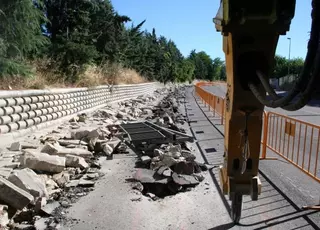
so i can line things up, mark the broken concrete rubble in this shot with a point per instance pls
(42, 162)
(29, 181)
(61, 178)
(13, 195)
(76, 161)
(61, 151)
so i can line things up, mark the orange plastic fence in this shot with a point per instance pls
(217, 104)
(294, 140)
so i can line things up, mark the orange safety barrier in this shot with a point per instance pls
(294, 140)
(217, 104)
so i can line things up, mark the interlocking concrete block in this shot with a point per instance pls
(8, 110)
(34, 99)
(23, 116)
(15, 117)
(27, 100)
(22, 125)
(17, 109)
(5, 120)
(4, 129)
(3, 103)
(13, 127)
(30, 122)
(10, 101)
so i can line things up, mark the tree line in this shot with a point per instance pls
(75, 34)
(78, 33)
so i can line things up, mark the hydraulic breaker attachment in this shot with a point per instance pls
(250, 32)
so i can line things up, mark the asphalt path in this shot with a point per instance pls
(114, 205)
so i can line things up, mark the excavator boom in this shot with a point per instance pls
(250, 31)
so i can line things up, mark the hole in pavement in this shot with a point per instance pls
(210, 150)
(193, 121)
(198, 132)
(189, 109)
(191, 114)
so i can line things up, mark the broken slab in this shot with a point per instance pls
(107, 149)
(4, 217)
(29, 181)
(86, 183)
(186, 168)
(145, 159)
(71, 142)
(61, 151)
(42, 162)
(72, 183)
(13, 195)
(149, 176)
(76, 162)
(18, 146)
(61, 178)
(5, 172)
(184, 179)
(50, 207)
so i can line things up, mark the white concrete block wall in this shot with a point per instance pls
(26, 108)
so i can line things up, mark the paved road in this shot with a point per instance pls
(285, 188)
(111, 205)
(292, 181)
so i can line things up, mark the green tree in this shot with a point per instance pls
(20, 34)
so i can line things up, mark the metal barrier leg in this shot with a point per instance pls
(317, 207)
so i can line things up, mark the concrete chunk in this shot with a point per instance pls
(71, 142)
(149, 176)
(17, 146)
(61, 178)
(13, 195)
(145, 159)
(76, 162)
(4, 218)
(29, 181)
(50, 207)
(42, 162)
(184, 179)
(61, 151)
(5, 172)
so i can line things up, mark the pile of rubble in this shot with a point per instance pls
(42, 176)
(172, 167)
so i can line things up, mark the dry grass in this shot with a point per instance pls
(47, 76)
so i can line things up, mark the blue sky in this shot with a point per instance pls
(189, 24)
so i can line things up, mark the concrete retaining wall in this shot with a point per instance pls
(21, 110)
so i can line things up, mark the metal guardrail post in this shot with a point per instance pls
(265, 135)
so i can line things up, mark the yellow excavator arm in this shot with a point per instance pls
(250, 31)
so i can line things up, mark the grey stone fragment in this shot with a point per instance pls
(5, 172)
(50, 207)
(145, 159)
(24, 227)
(61, 178)
(61, 151)
(184, 179)
(149, 176)
(4, 217)
(13, 195)
(42, 162)
(76, 162)
(71, 142)
(86, 183)
(29, 181)
(72, 183)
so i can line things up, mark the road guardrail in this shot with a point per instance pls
(297, 141)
